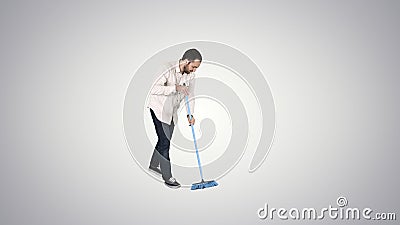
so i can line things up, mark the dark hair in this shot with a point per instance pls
(191, 55)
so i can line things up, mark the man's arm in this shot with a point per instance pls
(160, 87)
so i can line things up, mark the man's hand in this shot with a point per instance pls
(191, 121)
(182, 89)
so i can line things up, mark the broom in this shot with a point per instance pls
(203, 184)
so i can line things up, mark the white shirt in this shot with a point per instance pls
(164, 100)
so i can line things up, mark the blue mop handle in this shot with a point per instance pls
(194, 138)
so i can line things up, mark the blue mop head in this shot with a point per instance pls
(204, 184)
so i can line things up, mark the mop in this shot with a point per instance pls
(203, 184)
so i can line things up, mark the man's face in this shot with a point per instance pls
(192, 66)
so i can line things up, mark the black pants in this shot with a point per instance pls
(161, 152)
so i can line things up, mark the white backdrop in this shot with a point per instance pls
(65, 67)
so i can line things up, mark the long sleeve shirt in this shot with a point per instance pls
(164, 100)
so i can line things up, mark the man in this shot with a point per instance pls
(176, 82)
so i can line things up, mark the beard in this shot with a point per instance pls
(186, 70)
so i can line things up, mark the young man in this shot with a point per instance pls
(176, 82)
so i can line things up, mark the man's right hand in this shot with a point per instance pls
(182, 89)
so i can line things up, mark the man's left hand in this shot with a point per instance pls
(191, 121)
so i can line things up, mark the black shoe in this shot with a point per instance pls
(172, 183)
(155, 170)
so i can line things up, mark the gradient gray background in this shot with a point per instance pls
(333, 68)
